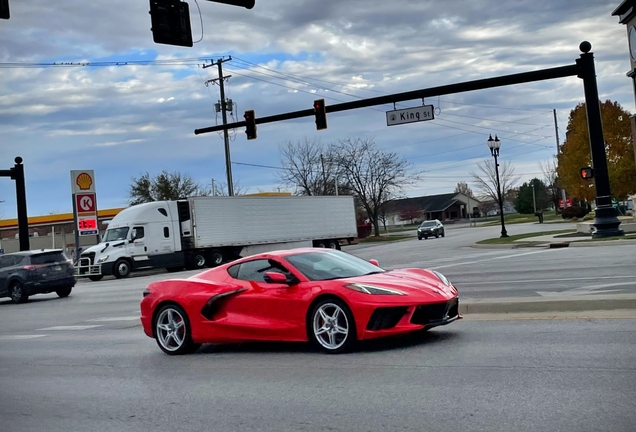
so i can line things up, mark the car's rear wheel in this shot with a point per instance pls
(64, 292)
(173, 332)
(17, 293)
(331, 326)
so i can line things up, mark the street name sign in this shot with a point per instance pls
(410, 115)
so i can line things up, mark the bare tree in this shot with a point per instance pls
(462, 187)
(220, 189)
(551, 180)
(486, 179)
(372, 174)
(308, 167)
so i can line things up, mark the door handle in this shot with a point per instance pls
(145, 249)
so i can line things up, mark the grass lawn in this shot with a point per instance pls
(513, 238)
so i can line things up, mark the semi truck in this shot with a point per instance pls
(200, 232)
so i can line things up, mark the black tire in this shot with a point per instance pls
(320, 244)
(425, 237)
(443, 233)
(96, 278)
(17, 293)
(334, 244)
(198, 260)
(343, 321)
(419, 238)
(64, 292)
(215, 258)
(121, 269)
(436, 235)
(168, 334)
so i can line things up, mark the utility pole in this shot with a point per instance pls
(228, 161)
(556, 134)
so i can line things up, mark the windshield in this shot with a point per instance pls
(115, 234)
(331, 265)
(427, 224)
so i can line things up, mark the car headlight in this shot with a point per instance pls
(372, 289)
(443, 278)
(102, 259)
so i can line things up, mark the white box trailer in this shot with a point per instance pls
(199, 232)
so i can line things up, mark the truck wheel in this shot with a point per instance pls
(215, 258)
(334, 244)
(320, 244)
(96, 278)
(198, 260)
(121, 269)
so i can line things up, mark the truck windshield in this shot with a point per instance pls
(115, 234)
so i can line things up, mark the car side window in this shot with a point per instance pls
(4, 261)
(255, 270)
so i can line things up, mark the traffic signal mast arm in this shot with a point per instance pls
(524, 77)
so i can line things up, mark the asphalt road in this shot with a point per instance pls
(527, 272)
(555, 375)
(83, 363)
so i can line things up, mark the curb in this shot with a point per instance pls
(556, 244)
(547, 304)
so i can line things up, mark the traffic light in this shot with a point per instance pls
(247, 4)
(320, 113)
(250, 124)
(170, 20)
(4, 9)
(587, 173)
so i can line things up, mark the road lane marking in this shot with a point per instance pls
(534, 281)
(590, 289)
(109, 319)
(20, 337)
(491, 259)
(70, 327)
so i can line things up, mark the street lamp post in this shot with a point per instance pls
(494, 145)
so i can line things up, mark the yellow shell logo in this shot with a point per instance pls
(84, 181)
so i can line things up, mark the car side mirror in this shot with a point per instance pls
(275, 278)
(374, 262)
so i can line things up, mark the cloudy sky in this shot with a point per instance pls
(83, 86)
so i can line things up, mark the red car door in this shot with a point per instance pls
(267, 311)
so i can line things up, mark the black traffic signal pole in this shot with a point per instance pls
(606, 221)
(17, 173)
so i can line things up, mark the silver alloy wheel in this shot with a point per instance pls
(16, 293)
(171, 329)
(331, 326)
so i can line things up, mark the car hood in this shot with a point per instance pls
(410, 281)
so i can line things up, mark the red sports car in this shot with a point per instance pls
(325, 296)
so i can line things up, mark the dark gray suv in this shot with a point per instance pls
(23, 274)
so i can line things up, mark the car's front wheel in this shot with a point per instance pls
(17, 293)
(331, 326)
(64, 292)
(173, 332)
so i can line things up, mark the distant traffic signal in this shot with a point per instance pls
(587, 173)
(247, 4)
(250, 124)
(4, 9)
(321, 114)
(170, 20)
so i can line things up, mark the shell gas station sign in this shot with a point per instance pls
(84, 202)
